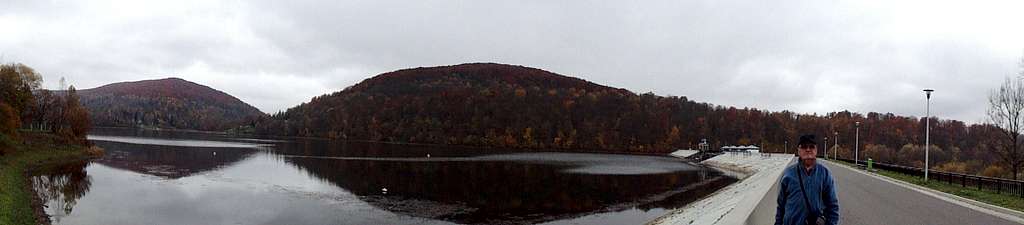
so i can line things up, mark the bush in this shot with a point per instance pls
(95, 151)
(994, 171)
(880, 153)
(6, 144)
(8, 128)
(953, 167)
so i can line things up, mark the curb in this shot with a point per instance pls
(994, 210)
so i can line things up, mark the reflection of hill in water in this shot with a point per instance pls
(492, 191)
(168, 161)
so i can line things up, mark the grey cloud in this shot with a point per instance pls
(804, 56)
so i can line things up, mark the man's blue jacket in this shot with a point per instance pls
(821, 193)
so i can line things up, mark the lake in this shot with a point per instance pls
(167, 177)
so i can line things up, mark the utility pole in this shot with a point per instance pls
(835, 146)
(927, 128)
(826, 147)
(856, 146)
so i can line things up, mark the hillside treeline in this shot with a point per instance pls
(23, 105)
(503, 106)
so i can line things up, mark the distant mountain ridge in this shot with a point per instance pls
(502, 106)
(483, 104)
(165, 103)
(476, 73)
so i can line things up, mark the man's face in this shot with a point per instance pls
(807, 151)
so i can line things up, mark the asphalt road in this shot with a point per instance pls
(868, 200)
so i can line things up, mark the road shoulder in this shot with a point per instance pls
(994, 210)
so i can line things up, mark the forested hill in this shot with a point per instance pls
(505, 106)
(486, 104)
(165, 103)
(482, 104)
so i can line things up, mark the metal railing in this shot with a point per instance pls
(999, 185)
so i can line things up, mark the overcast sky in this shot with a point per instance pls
(804, 56)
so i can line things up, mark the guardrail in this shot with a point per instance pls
(1000, 185)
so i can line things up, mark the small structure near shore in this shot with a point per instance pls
(742, 148)
(684, 153)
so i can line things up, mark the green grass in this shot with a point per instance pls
(985, 195)
(40, 150)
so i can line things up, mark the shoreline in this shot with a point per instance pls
(35, 153)
(33, 169)
(488, 148)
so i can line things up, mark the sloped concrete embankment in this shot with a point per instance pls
(736, 203)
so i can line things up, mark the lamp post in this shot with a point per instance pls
(856, 145)
(785, 148)
(826, 147)
(927, 128)
(835, 146)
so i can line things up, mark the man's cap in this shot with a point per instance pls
(808, 139)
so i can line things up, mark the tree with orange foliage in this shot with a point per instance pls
(8, 127)
(8, 120)
(17, 81)
(77, 118)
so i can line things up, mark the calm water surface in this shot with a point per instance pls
(160, 177)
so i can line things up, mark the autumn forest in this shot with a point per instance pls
(504, 106)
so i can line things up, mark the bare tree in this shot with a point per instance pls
(1006, 111)
(1020, 74)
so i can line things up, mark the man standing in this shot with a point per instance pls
(807, 194)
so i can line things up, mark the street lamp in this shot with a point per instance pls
(927, 128)
(856, 146)
(835, 146)
(826, 147)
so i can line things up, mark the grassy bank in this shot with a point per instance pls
(34, 151)
(985, 195)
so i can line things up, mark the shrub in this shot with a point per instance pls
(6, 144)
(953, 167)
(95, 150)
(994, 171)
